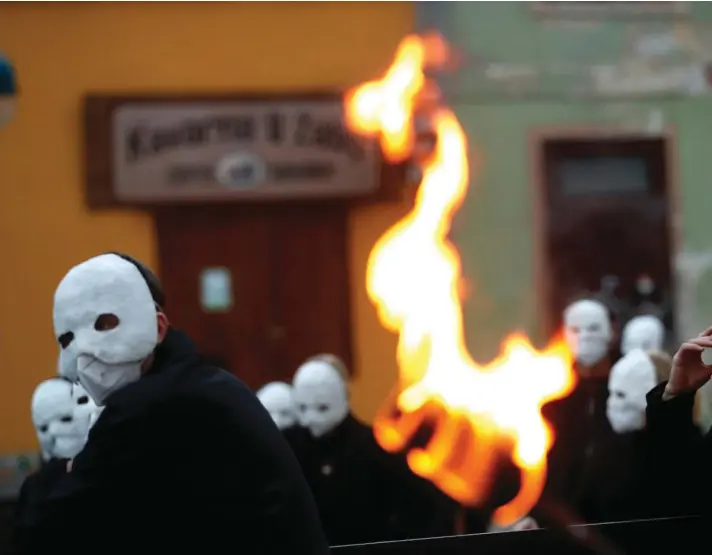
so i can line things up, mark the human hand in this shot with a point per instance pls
(688, 372)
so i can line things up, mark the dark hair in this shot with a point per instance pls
(154, 285)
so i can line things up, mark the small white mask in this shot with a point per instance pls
(643, 332)
(631, 378)
(588, 332)
(321, 396)
(61, 418)
(106, 323)
(276, 397)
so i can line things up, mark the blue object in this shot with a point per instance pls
(8, 84)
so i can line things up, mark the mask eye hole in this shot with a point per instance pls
(323, 408)
(44, 429)
(66, 419)
(83, 400)
(619, 395)
(106, 322)
(65, 339)
(594, 327)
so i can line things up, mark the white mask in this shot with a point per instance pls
(588, 332)
(321, 396)
(632, 377)
(276, 397)
(643, 332)
(104, 358)
(61, 418)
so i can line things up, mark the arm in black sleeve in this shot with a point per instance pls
(102, 478)
(680, 455)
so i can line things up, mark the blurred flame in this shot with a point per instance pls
(413, 278)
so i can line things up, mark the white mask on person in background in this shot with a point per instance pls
(106, 323)
(61, 421)
(631, 378)
(643, 332)
(277, 398)
(321, 396)
(588, 332)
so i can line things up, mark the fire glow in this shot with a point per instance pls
(413, 278)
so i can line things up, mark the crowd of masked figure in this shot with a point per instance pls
(602, 466)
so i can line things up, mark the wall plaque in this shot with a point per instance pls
(215, 151)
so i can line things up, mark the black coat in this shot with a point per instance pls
(680, 481)
(186, 457)
(584, 447)
(365, 494)
(34, 488)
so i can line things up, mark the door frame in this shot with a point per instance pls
(537, 136)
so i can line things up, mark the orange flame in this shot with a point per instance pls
(412, 277)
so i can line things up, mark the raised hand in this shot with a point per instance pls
(688, 372)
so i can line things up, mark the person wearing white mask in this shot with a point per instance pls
(277, 398)
(646, 332)
(363, 493)
(627, 486)
(588, 332)
(583, 433)
(61, 418)
(61, 414)
(183, 452)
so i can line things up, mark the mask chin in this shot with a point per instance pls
(625, 420)
(68, 447)
(590, 355)
(100, 379)
(320, 429)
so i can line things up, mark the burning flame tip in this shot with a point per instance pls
(414, 279)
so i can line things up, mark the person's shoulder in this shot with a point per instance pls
(207, 392)
(203, 383)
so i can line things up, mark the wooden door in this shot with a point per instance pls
(289, 281)
(607, 220)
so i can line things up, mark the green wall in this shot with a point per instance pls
(494, 229)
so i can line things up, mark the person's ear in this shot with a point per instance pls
(163, 325)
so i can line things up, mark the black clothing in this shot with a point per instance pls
(624, 481)
(583, 446)
(298, 439)
(684, 455)
(185, 457)
(35, 487)
(365, 494)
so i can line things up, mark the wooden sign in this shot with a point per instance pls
(169, 151)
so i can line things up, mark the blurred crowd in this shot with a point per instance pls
(602, 467)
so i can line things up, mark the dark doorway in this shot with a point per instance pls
(607, 224)
(289, 282)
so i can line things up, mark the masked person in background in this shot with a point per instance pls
(62, 415)
(183, 453)
(625, 487)
(276, 397)
(363, 493)
(645, 332)
(583, 433)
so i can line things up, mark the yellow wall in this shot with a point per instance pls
(62, 51)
